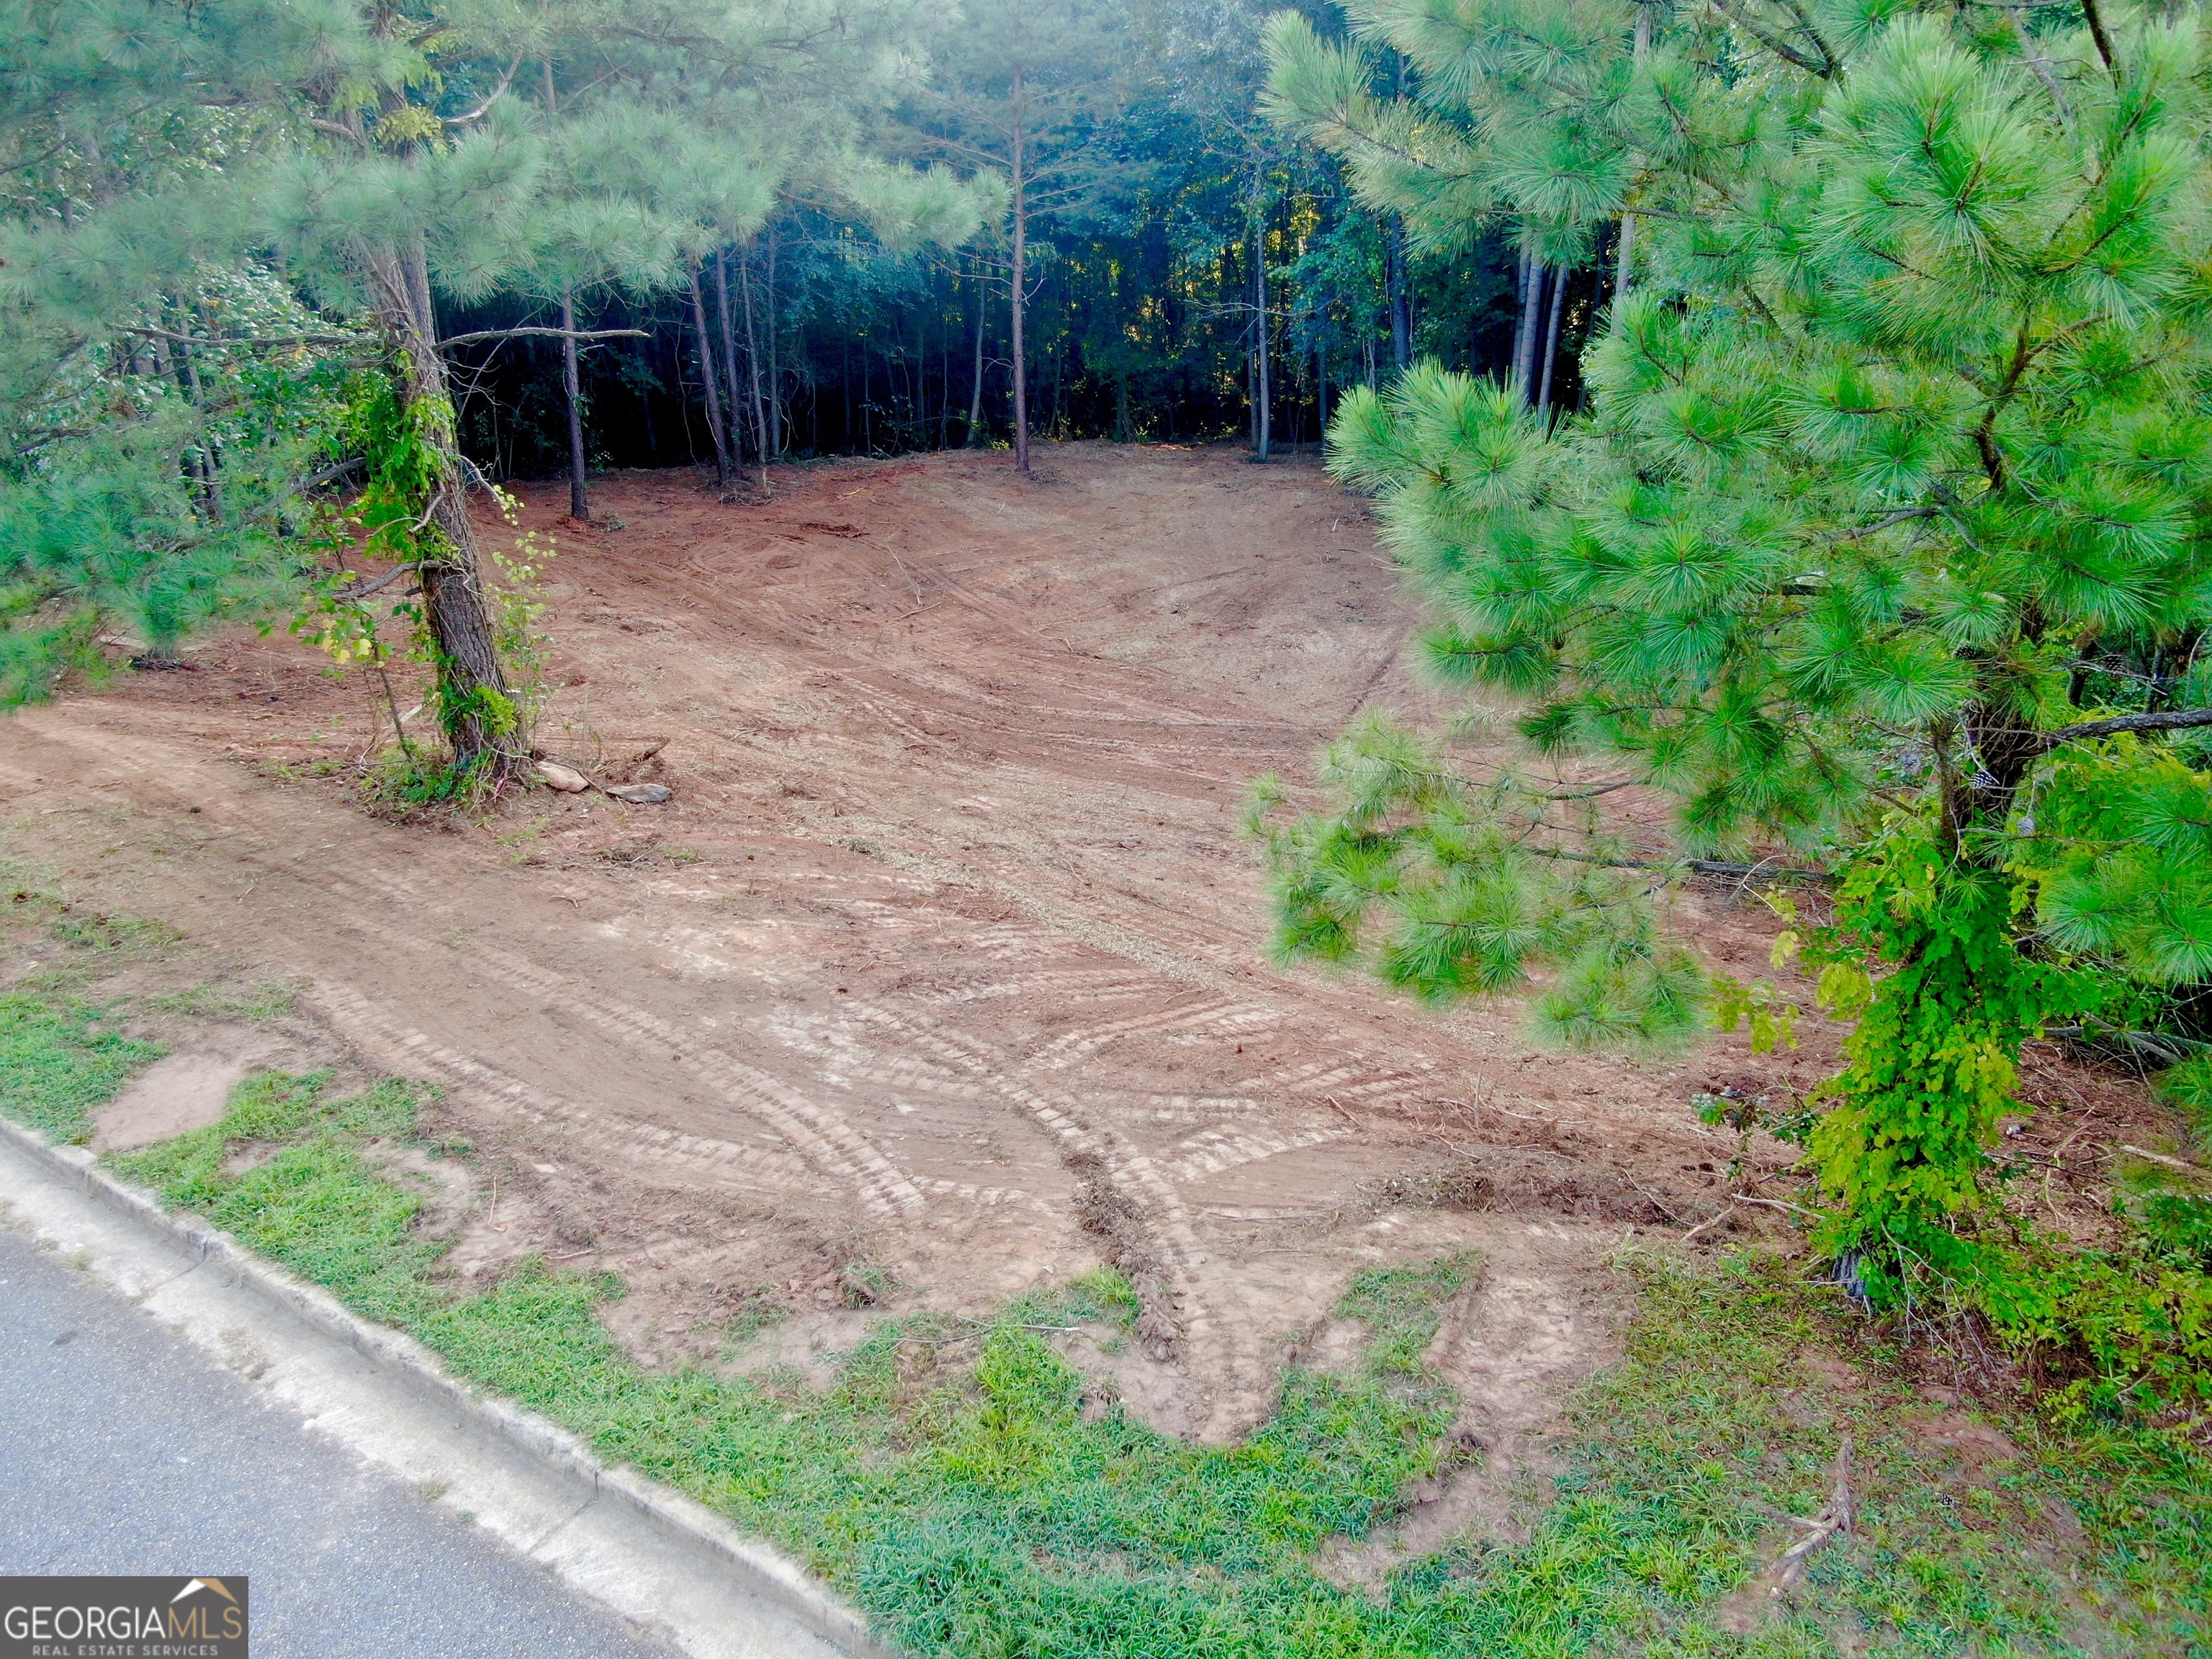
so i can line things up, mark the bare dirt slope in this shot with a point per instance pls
(945, 963)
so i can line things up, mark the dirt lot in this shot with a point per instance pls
(942, 974)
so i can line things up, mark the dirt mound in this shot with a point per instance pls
(943, 966)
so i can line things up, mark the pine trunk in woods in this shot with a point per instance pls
(760, 440)
(572, 384)
(714, 427)
(1401, 298)
(944, 380)
(1524, 332)
(975, 386)
(1624, 260)
(732, 401)
(571, 381)
(1552, 334)
(1020, 275)
(475, 706)
(1260, 400)
(775, 368)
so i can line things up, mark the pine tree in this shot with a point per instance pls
(1023, 92)
(377, 156)
(1883, 547)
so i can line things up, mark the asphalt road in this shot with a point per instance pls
(123, 1451)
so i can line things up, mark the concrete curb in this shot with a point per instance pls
(760, 1567)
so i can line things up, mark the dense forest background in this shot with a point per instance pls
(1182, 254)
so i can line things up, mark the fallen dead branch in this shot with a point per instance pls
(1709, 1222)
(1743, 1198)
(1835, 1518)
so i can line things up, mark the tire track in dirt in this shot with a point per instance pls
(1001, 923)
(403, 1049)
(1229, 1366)
(824, 1139)
(1217, 1152)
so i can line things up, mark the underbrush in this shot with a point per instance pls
(977, 1495)
(403, 781)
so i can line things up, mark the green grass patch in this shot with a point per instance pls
(55, 1068)
(270, 999)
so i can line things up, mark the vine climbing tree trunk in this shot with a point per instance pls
(475, 706)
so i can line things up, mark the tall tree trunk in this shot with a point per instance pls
(1320, 392)
(921, 373)
(975, 386)
(1262, 409)
(1525, 333)
(571, 382)
(945, 375)
(1552, 334)
(1021, 271)
(775, 365)
(1624, 262)
(706, 376)
(475, 706)
(1401, 298)
(733, 401)
(580, 507)
(752, 361)
(206, 465)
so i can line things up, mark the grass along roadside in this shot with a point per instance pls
(953, 1483)
(55, 1067)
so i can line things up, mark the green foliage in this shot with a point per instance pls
(1474, 902)
(182, 182)
(2132, 1327)
(1931, 1062)
(1892, 475)
(2117, 838)
(107, 530)
(55, 1068)
(2189, 1086)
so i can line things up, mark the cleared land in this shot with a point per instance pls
(941, 978)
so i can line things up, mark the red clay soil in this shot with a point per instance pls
(942, 976)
